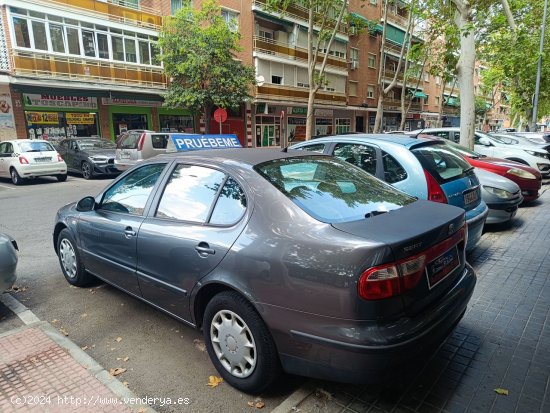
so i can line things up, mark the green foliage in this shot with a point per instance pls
(481, 106)
(198, 52)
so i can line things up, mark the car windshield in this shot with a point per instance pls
(85, 144)
(35, 147)
(442, 162)
(330, 190)
(492, 137)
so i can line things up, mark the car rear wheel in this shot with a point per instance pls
(87, 171)
(239, 343)
(69, 258)
(62, 178)
(15, 177)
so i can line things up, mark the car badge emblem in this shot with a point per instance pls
(451, 229)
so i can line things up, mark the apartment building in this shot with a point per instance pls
(88, 67)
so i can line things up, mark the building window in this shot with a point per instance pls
(437, 100)
(57, 36)
(372, 60)
(39, 34)
(426, 99)
(354, 56)
(175, 5)
(352, 88)
(437, 80)
(374, 2)
(276, 80)
(231, 19)
(370, 92)
(426, 77)
(343, 125)
(22, 38)
(130, 50)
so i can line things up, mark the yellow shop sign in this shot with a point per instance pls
(80, 118)
(43, 118)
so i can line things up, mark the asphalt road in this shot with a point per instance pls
(165, 357)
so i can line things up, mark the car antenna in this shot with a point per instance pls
(420, 133)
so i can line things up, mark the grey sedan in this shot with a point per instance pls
(501, 195)
(8, 262)
(292, 262)
(89, 156)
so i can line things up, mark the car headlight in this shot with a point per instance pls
(98, 159)
(537, 154)
(521, 173)
(501, 193)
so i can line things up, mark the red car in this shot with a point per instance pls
(528, 179)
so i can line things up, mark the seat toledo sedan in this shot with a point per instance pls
(287, 262)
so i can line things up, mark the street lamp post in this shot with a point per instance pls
(539, 67)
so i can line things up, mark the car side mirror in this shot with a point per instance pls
(485, 141)
(86, 204)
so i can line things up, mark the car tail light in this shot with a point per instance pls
(23, 160)
(435, 192)
(59, 158)
(390, 280)
(141, 141)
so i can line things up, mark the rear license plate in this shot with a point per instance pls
(45, 159)
(470, 197)
(125, 155)
(442, 266)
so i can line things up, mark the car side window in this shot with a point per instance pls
(442, 134)
(190, 193)
(130, 194)
(393, 171)
(363, 156)
(159, 141)
(456, 137)
(8, 148)
(230, 205)
(476, 139)
(3, 148)
(317, 147)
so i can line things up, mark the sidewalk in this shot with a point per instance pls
(502, 345)
(43, 371)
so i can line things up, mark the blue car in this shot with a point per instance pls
(423, 168)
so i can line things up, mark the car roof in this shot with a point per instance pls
(245, 156)
(396, 139)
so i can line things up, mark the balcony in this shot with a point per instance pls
(395, 104)
(294, 94)
(272, 47)
(389, 74)
(45, 66)
(295, 12)
(112, 10)
(397, 18)
(393, 48)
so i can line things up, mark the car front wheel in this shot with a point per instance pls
(86, 169)
(69, 258)
(239, 343)
(62, 178)
(15, 177)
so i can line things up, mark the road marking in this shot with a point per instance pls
(7, 187)
(26, 315)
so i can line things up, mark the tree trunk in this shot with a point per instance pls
(379, 113)
(465, 69)
(207, 113)
(310, 116)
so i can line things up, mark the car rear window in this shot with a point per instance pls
(35, 147)
(159, 141)
(130, 141)
(331, 191)
(441, 162)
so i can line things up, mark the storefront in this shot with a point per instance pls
(175, 120)
(128, 114)
(55, 117)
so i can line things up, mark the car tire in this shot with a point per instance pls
(246, 331)
(61, 178)
(69, 259)
(15, 177)
(87, 170)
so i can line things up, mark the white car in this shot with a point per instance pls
(496, 148)
(29, 158)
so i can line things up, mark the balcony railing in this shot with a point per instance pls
(272, 47)
(86, 70)
(396, 103)
(295, 94)
(112, 10)
(296, 12)
(389, 74)
(392, 47)
(397, 18)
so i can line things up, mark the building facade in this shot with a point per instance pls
(88, 68)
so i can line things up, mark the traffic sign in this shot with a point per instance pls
(220, 115)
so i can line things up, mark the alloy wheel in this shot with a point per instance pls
(68, 257)
(86, 170)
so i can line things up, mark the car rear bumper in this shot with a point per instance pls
(361, 351)
(475, 219)
(28, 171)
(124, 164)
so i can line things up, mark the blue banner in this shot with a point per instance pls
(186, 142)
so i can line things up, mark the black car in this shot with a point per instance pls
(89, 156)
(294, 261)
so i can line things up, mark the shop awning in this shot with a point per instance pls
(420, 94)
(452, 102)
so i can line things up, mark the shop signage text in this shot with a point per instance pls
(193, 142)
(59, 101)
(43, 118)
(80, 118)
(297, 111)
(131, 102)
(324, 112)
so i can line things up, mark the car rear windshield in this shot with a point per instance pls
(331, 190)
(130, 141)
(85, 144)
(35, 147)
(442, 162)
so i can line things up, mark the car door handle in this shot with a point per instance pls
(129, 232)
(204, 249)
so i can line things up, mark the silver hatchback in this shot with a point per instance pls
(137, 145)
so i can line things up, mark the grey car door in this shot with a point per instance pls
(198, 217)
(108, 234)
